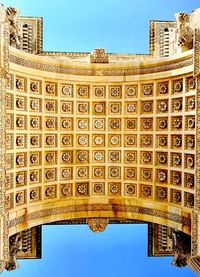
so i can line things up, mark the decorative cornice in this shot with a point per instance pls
(65, 54)
(101, 207)
(51, 68)
(166, 66)
(86, 54)
(150, 69)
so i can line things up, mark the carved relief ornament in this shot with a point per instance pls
(99, 55)
(97, 224)
(12, 15)
(185, 31)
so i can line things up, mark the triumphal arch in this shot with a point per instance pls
(97, 138)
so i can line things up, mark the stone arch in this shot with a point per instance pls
(118, 209)
(148, 181)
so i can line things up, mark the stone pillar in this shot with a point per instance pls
(4, 63)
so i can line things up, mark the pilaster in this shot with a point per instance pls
(4, 65)
(194, 262)
(196, 52)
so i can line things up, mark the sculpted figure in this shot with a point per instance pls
(12, 14)
(184, 30)
(181, 245)
(14, 249)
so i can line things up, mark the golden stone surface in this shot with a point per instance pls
(98, 136)
(94, 142)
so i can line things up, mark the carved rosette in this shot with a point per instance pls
(97, 224)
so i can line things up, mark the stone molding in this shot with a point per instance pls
(172, 65)
(197, 52)
(101, 207)
(197, 192)
(4, 67)
(195, 214)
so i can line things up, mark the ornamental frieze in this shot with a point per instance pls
(99, 207)
(90, 72)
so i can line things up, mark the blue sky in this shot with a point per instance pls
(74, 251)
(118, 26)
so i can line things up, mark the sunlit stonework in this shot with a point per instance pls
(98, 224)
(99, 55)
(114, 141)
